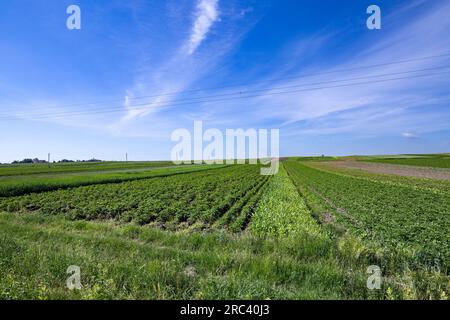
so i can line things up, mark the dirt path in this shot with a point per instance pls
(395, 169)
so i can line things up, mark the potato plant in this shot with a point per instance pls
(202, 196)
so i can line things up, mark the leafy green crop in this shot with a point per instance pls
(396, 216)
(27, 169)
(34, 183)
(202, 196)
(436, 162)
(282, 211)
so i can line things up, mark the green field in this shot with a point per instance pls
(28, 183)
(27, 169)
(386, 215)
(156, 231)
(431, 160)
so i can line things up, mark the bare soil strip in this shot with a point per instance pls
(395, 169)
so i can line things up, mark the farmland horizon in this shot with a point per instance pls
(99, 159)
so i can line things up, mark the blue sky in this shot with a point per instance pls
(153, 65)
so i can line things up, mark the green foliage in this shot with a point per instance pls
(318, 158)
(282, 212)
(393, 216)
(34, 183)
(305, 233)
(131, 262)
(200, 196)
(435, 161)
(29, 168)
(433, 185)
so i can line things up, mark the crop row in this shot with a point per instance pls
(434, 185)
(391, 215)
(282, 211)
(28, 169)
(202, 196)
(17, 186)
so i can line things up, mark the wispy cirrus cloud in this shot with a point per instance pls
(175, 73)
(167, 81)
(206, 15)
(372, 105)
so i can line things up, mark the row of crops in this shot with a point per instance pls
(434, 185)
(34, 183)
(61, 168)
(392, 216)
(224, 196)
(282, 212)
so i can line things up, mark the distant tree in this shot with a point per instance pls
(22, 161)
(65, 161)
(36, 160)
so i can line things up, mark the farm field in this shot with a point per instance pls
(389, 216)
(214, 196)
(28, 183)
(223, 232)
(435, 161)
(340, 167)
(395, 169)
(26, 169)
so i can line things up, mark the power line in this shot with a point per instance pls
(254, 82)
(52, 116)
(201, 99)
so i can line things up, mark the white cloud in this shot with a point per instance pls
(207, 13)
(176, 73)
(409, 135)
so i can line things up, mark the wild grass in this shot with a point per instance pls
(125, 261)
